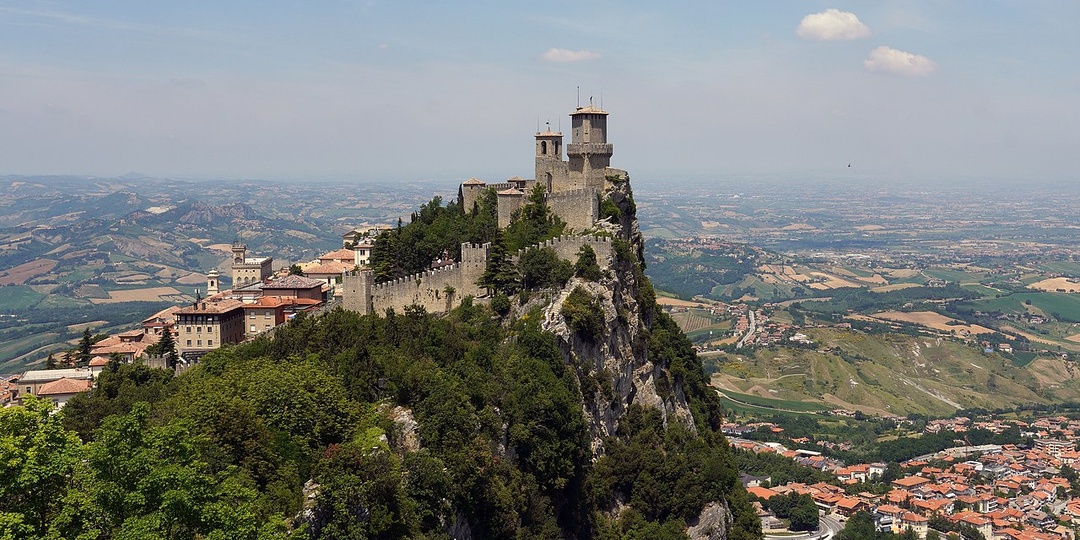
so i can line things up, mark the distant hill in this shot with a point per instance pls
(891, 374)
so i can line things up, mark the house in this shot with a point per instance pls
(294, 287)
(264, 314)
(918, 524)
(63, 389)
(30, 382)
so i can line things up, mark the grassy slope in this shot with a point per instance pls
(901, 374)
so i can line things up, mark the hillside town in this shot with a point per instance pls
(1005, 492)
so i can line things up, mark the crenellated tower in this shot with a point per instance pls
(589, 152)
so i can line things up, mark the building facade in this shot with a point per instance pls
(247, 270)
(207, 325)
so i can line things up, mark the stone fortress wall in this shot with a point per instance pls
(429, 289)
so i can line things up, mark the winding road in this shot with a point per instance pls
(828, 526)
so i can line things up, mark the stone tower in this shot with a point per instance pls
(589, 152)
(212, 282)
(239, 252)
(551, 171)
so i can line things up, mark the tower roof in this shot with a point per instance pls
(588, 110)
(548, 133)
(474, 182)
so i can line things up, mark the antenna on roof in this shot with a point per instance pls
(538, 123)
(579, 97)
(601, 101)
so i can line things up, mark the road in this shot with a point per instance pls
(750, 331)
(828, 527)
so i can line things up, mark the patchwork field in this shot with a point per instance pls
(1060, 284)
(933, 320)
(152, 294)
(19, 274)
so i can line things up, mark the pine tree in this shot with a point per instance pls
(500, 275)
(85, 345)
(50, 362)
(166, 346)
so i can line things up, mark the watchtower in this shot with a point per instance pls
(212, 282)
(589, 152)
(551, 170)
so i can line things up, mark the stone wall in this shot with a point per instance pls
(567, 247)
(579, 208)
(429, 288)
(438, 290)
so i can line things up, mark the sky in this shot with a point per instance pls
(966, 91)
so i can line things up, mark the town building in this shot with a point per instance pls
(247, 270)
(207, 325)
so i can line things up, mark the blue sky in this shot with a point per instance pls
(963, 90)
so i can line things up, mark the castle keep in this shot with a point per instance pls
(572, 185)
(573, 188)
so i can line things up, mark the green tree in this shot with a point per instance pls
(533, 223)
(542, 268)
(295, 270)
(500, 273)
(50, 362)
(37, 460)
(586, 266)
(85, 346)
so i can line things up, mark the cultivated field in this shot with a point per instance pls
(152, 294)
(19, 274)
(1058, 284)
(933, 320)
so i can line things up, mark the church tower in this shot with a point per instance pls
(589, 152)
(212, 282)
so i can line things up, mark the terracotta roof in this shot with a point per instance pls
(338, 254)
(64, 386)
(167, 314)
(910, 517)
(511, 191)
(474, 182)
(764, 493)
(98, 361)
(220, 306)
(293, 282)
(330, 267)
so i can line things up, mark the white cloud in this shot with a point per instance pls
(889, 60)
(832, 25)
(566, 55)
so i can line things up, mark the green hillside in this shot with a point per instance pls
(894, 374)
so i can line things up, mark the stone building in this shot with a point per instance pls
(207, 325)
(572, 185)
(247, 270)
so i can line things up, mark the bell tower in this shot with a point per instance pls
(549, 148)
(212, 282)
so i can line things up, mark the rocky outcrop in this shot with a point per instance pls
(615, 368)
(713, 523)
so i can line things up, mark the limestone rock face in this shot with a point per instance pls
(617, 362)
(713, 523)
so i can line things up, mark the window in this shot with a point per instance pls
(189, 343)
(253, 329)
(187, 329)
(29, 389)
(209, 343)
(266, 315)
(198, 343)
(198, 329)
(252, 316)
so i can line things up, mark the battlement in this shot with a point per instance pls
(414, 278)
(567, 247)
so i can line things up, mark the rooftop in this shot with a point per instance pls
(204, 308)
(293, 282)
(64, 386)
